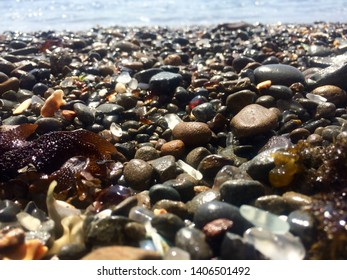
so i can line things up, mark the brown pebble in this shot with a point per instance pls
(138, 174)
(173, 59)
(11, 84)
(121, 253)
(174, 148)
(332, 93)
(253, 120)
(192, 133)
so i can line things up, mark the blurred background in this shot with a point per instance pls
(74, 15)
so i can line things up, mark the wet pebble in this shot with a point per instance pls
(84, 113)
(164, 83)
(164, 168)
(192, 133)
(167, 225)
(216, 210)
(332, 93)
(159, 191)
(193, 241)
(138, 174)
(235, 102)
(241, 191)
(279, 74)
(253, 120)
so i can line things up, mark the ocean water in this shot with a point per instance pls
(74, 15)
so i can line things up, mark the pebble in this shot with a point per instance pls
(192, 133)
(164, 83)
(8, 211)
(84, 113)
(175, 207)
(138, 174)
(204, 112)
(234, 247)
(202, 198)
(302, 224)
(122, 253)
(279, 74)
(195, 156)
(253, 120)
(211, 164)
(332, 93)
(193, 241)
(235, 102)
(147, 153)
(159, 191)
(164, 168)
(175, 148)
(241, 191)
(216, 210)
(10, 84)
(167, 225)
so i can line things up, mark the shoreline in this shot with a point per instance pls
(153, 134)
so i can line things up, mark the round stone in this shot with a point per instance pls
(160, 191)
(196, 155)
(332, 93)
(253, 120)
(279, 74)
(192, 133)
(84, 113)
(147, 153)
(138, 174)
(175, 148)
(164, 83)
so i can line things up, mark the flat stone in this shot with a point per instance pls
(253, 120)
(241, 191)
(121, 253)
(332, 75)
(192, 133)
(165, 83)
(279, 74)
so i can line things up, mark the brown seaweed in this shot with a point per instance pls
(50, 151)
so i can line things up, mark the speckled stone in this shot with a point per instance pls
(192, 133)
(164, 168)
(253, 120)
(147, 153)
(175, 148)
(138, 174)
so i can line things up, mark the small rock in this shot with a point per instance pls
(193, 241)
(121, 253)
(241, 191)
(196, 155)
(160, 191)
(235, 102)
(192, 133)
(167, 225)
(165, 83)
(84, 113)
(175, 207)
(253, 120)
(147, 153)
(333, 94)
(10, 84)
(279, 74)
(175, 148)
(211, 164)
(216, 210)
(164, 168)
(138, 174)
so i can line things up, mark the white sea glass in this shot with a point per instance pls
(264, 219)
(275, 246)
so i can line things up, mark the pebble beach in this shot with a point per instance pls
(225, 141)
